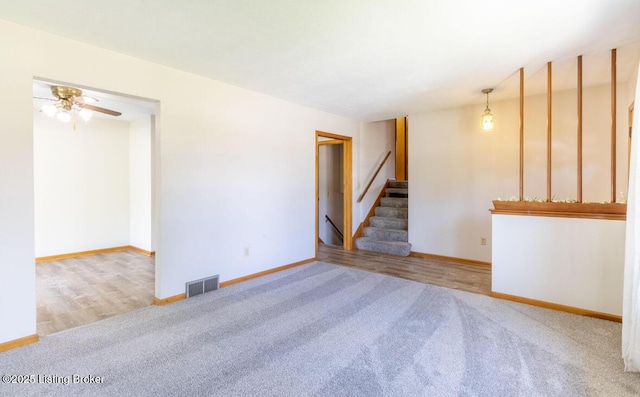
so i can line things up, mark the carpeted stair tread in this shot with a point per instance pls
(396, 192)
(389, 223)
(388, 247)
(399, 184)
(386, 234)
(397, 202)
(392, 212)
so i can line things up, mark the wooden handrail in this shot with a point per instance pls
(327, 219)
(366, 189)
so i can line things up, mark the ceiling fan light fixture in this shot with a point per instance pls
(49, 109)
(85, 114)
(64, 116)
(89, 99)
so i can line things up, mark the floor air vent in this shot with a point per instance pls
(201, 286)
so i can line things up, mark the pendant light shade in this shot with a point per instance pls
(487, 121)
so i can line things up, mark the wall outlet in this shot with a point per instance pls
(483, 241)
(246, 251)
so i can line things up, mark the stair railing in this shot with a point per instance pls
(335, 228)
(375, 174)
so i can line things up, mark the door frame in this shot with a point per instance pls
(347, 185)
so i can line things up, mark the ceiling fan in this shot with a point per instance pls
(68, 99)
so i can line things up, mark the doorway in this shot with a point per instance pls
(345, 176)
(94, 204)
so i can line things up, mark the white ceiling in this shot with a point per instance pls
(364, 59)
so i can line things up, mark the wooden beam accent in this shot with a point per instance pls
(169, 300)
(556, 306)
(579, 144)
(549, 96)
(265, 272)
(401, 149)
(521, 189)
(613, 125)
(13, 344)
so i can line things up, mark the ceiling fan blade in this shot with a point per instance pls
(99, 109)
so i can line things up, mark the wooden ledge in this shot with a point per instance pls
(609, 211)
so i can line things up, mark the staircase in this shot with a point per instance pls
(387, 232)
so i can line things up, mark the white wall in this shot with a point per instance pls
(569, 261)
(456, 169)
(81, 180)
(377, 139)
(140, 177)
(223, 160)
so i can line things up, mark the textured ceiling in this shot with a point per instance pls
(364, 59)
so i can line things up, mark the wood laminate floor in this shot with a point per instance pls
(468, 278)
(77, 291)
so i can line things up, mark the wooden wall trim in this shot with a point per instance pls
(142, 251)
(81, 253)
(331, 135)
(331, 142)
(169, 300)
(556, 306)
(451, 259)
(347, 209)
(13, 344)
(94, 252)
(265, 272)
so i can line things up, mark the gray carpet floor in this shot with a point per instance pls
(326, 330)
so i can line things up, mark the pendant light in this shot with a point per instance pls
(487, 118)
